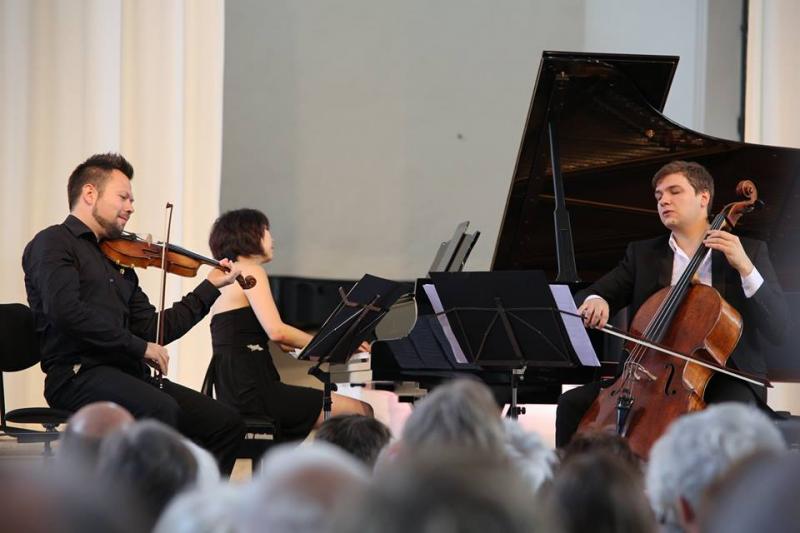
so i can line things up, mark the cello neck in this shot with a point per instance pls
(658, 326)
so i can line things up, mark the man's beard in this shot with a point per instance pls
(111, 230)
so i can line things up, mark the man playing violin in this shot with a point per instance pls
(739, 268)
(96, 325)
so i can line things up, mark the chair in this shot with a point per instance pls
(262, 431)
(19, 349)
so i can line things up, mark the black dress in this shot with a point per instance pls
(246, 378)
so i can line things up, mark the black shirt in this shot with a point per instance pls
(89, 311)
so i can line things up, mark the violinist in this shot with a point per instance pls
(739, 268)
(97, 326)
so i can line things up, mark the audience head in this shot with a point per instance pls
(528, 453)
(210, 509)
(460, 413)
(696, 450)
(207, 467)
(601, 441)
(759, 495)
(602, 493)
(86, 429)
(297, 488)
(361, 436)
(64, 502)
(150, 459)
(448, 491)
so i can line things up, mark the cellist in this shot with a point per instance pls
(739, 268)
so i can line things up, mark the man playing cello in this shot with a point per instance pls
(740, 269)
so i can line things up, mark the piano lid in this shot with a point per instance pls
(612, 139)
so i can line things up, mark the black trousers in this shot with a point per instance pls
(211, 424)
(573, 404)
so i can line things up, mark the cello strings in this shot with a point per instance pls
(660, 321)
(685, 281)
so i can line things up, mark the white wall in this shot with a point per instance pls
(367, 129)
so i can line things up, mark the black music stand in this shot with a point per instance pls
(506, 320)
(350, 323)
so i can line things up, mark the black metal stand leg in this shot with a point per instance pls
(327, 399)
(514, 410)
(327, 402)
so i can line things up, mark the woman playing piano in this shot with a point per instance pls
(243, 322)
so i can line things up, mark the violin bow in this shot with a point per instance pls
(160, 321)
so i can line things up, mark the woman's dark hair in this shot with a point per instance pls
(238, 232)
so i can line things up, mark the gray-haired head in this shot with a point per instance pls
(151, 460)
(700, 447)
(533, 459)
(213, 508)
(737, 508)
(444, 491)
(207, 468)
(297, 488)
(462, 412)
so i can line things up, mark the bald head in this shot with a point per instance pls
(97, 420)
(87, 428)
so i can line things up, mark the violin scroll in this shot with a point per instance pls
(246, 282)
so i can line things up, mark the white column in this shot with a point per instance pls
(772, 107)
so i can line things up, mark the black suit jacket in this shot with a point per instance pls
(647, 267)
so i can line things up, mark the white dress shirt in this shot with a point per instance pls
(750, 283)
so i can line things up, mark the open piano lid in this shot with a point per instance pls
(612, 139)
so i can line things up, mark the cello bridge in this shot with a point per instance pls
(638, 370)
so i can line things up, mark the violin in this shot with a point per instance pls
(654, 389)
(130, 250)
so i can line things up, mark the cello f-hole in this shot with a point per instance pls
(671, 368)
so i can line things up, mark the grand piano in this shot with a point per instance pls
(594, 137)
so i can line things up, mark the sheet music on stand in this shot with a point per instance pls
(509, 320)
(350, 323)
(576, 332)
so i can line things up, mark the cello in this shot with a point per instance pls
(654, 389)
